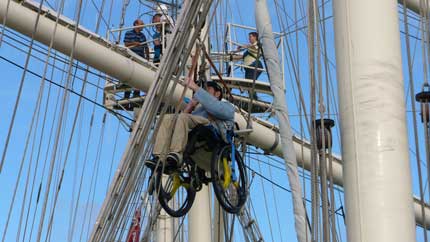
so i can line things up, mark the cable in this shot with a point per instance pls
(60, 59)
(68, 89)
(276, 184)
(21, 85)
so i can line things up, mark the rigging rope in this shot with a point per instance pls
(83, 89)
(58, 132)
(330, 168)
(37, 158)
(424, 19)
(265, 203)
(14, 114)
(69, 145)
(69, 90)
(46, 153)
(322, 152)
(36, 117)
(314, 168)
(27, 61)
(276, 206)
(149, 111)
(87, 146)
(74, 65)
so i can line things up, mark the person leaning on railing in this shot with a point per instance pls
(251, 57)
(136, 40)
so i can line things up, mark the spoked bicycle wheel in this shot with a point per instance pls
(229, 179)
(175, 193)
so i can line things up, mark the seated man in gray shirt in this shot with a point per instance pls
(206, 108)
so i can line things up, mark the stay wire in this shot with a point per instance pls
(69, 145)
(113, 157)
(73, 75)
(68, 89)
(77, 112)
(12, 124)
(275, 200)
(21, 85)
(42, 86)
(64, 133)
(314, 168)
(424, 46)
(298, 69)
(46, 152)
(97, 171)
(11, 206)
(424, 39)
(331, 205)
(43, 51)
(71, 231)
(322, 153)
(58, 132)
(61, 59)
(117, 205)
(78, 153)
(37, 163)
(43, 79)
(35, 118)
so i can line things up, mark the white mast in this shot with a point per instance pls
(373, 122)
(218, 222)
(199, 217)
(164, 227)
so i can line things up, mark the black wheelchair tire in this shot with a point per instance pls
(219, 191)
(163, 198)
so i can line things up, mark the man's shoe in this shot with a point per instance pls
(172, 161)
(152, 163)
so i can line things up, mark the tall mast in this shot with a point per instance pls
(199, 217)
(165, 228)
(373, 122)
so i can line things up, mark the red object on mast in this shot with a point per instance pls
(134, 232)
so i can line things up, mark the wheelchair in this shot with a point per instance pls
(206, 153)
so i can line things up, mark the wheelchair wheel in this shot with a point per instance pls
(175, 193)
(229, 179)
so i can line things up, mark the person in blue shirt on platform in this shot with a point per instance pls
(206, 108)
(136, 41)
